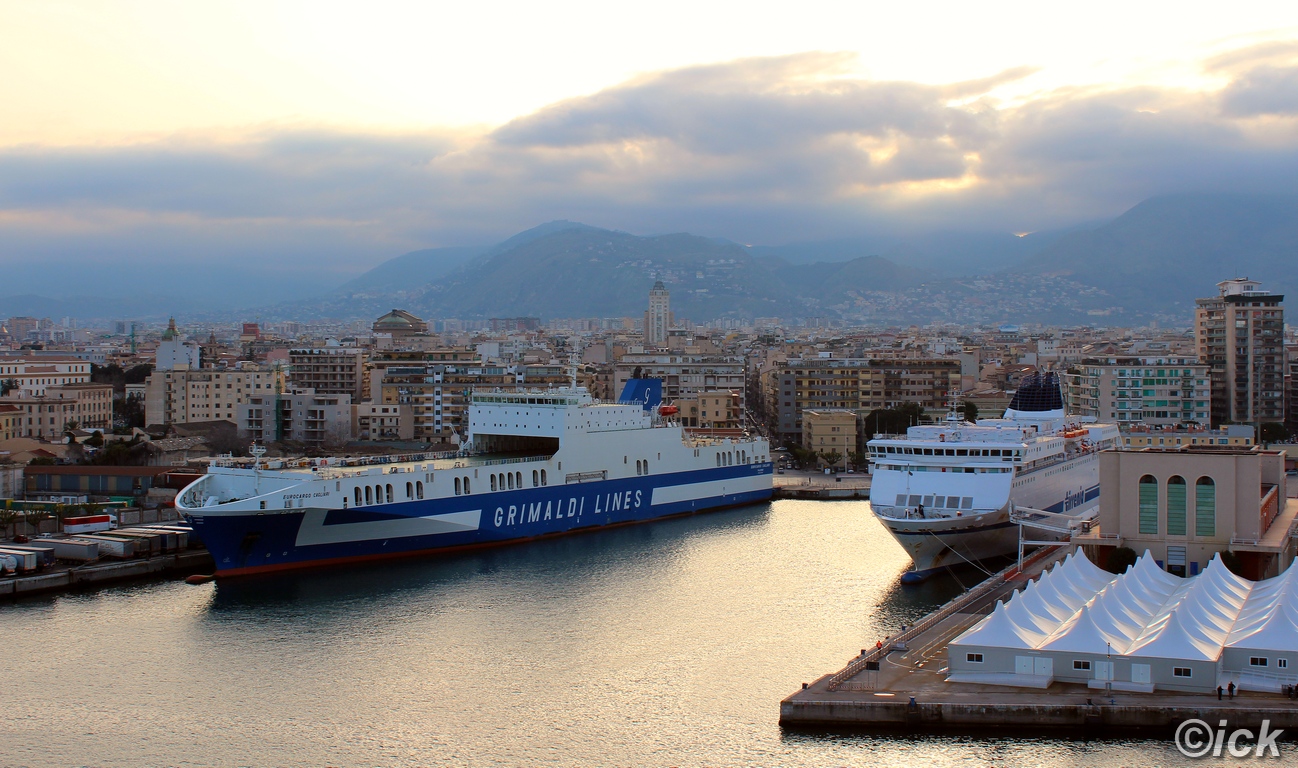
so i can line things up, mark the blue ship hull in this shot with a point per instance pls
(277, 540)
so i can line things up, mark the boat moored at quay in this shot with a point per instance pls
(534, 464)
(945, 491)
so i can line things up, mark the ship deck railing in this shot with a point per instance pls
(243, 462)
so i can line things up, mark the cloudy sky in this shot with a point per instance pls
(308, 141)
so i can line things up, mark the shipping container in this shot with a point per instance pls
(149, 543)
(46, 552)
(110, 546)
(28, 562)
(78, 550)
(184, 536)
(193, 540)
(168, 539)
(87, 523)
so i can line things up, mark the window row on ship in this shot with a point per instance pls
(898, 450)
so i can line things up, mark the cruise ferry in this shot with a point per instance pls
(534, 464)
(945, 491)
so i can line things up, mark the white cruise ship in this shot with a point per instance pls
(945, 491)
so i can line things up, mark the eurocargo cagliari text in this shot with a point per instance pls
(534, 464)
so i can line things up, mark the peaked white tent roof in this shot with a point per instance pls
(1278, 633)
(1076, 607)
(1083, 635)
(1168, 639)
(999, 631)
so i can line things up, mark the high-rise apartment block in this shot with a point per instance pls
(658, 320)
(180, 397)
(329, 370)
(1239, 334)
(1156, 391)
(316, 420)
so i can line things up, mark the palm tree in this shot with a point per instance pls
(7, 518)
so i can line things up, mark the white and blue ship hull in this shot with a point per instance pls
(281, 539)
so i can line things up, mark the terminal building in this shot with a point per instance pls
(1187, 504)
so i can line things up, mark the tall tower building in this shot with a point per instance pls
(659, 317)
(1240, 336)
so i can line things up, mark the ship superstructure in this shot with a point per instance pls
(535, 464)
(945, 491)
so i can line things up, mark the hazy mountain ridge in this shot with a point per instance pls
(1148, 263)
(1167, 251)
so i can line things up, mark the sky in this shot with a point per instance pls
(208, 144)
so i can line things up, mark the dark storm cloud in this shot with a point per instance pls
(761, 150)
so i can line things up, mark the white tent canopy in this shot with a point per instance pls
(1147, 617)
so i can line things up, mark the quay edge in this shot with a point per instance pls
(97, 574)
(988, 717)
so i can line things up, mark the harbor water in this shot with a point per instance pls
(669, 643)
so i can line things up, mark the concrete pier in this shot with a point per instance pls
(63, 578)
(900, 685)
(796, 484)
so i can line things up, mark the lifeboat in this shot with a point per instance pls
(669, 410)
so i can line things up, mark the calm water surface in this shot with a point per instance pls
(664, 644)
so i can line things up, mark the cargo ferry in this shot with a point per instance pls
(945, 491)
(534, 464)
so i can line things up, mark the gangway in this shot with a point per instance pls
(1055, 522)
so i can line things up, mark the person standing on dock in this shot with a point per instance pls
(1230, 689)
(1219, 693)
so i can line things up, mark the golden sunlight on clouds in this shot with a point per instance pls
(89, 72)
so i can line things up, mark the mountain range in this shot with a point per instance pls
(1148, 263)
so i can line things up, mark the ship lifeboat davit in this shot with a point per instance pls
(669, 410)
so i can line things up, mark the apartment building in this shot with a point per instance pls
(382, 361)
(377, 421)
(711, 410)
(180, 397)
(796, 386)
(33, 375)
(438, 395)
(1140, 436)
(1239, 334)
(684, 375)
(329, 370)
(1157, 391)
(1291, 399)
(49, 415)
(831, 433)
(318, 420)
(11, 417)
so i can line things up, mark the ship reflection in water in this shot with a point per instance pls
(661, 644)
